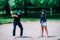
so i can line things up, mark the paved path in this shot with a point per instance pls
(32, 31)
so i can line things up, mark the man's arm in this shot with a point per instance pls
(13, 15)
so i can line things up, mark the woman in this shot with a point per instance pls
(43, 22)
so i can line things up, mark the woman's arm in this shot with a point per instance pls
(41, 18)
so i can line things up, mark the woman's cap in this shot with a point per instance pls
(43, 10)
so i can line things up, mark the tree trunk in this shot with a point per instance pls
(25, 7)
(51, 11)
(59, 4)
(7, 8)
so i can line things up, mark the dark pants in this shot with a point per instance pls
(20, 26)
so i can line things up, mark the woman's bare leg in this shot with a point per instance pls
(42, 30)
(46, 30)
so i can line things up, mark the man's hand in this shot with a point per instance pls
(11, 12)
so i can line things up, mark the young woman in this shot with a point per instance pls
(43, 22)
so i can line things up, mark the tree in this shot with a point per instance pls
(7, 7)
(2, 4)
(12, 4)
(25, 7)
(59, 5)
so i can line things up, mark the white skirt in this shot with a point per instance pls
(44, 24)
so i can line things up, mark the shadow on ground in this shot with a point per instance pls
(24, 37)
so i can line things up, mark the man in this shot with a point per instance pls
(17, 22)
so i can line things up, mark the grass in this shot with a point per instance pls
(10, 20)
